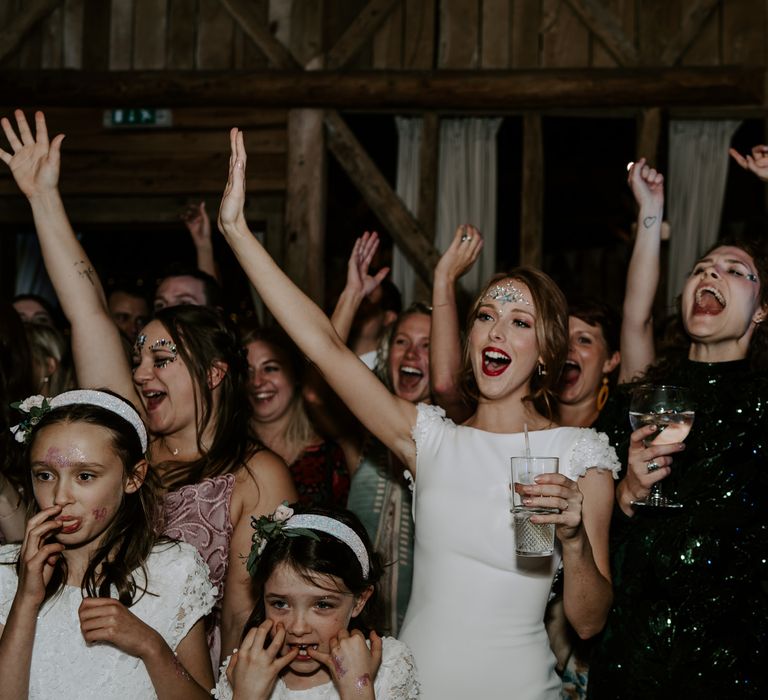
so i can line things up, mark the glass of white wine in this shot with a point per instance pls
(671, 410)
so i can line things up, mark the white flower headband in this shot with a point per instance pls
(37, 406)
(283, 523)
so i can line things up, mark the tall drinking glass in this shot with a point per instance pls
(531, 539)
(671, 410)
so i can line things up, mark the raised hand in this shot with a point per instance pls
(34, 161)
(233, 199)
(358, 279)
(38, 557)
(253, 669)
(461, 254)
(757, 161)
(352, 665)
(198, 224)
(647, 186)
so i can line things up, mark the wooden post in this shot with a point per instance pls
(649, 134)
(427, 208)
(532, 209)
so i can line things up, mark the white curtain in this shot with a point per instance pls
(466, 190)
(698, 168)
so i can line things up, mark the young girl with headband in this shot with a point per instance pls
(91, 584)
(315, 578)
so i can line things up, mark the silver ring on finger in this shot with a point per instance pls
(653, 466)
(465, 237)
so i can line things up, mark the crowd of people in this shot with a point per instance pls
(321, 509)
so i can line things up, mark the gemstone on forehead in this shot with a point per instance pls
(506, 293)
(140, 341)
(164, 344)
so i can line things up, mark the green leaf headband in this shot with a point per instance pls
(37, 406)
(283, 523)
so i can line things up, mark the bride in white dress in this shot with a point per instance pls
(475, 621)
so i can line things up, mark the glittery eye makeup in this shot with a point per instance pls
(166, 345)
(506, 293)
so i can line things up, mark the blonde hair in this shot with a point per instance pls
(47, 342)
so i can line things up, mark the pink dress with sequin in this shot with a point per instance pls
(199, 515)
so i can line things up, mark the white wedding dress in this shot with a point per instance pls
(64, 667)
(475, 618)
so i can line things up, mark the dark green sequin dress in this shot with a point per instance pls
(690, 613)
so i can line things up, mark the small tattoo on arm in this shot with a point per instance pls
(339, 666)
(363, 682)
(86, 272)
(649, 221)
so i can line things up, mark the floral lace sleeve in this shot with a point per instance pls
(397, 678)
(592, 449)
(196, 597)
(223, 690)
(428, 416)
(9, 553)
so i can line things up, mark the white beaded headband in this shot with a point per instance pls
(284, 523)
(37, 406)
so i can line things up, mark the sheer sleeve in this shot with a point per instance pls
(8, 580)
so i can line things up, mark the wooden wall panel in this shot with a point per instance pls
(496, 34)
(182, 34)
(744, 30)
(149, 25)
(53, 40)
(565, 39)
(459, 34)
(418, 33)
(387, 50)
(624, 11)
(96, 18)
(526, 33)
(73, 33)
(706, 49)
(121, 35)
(306, 40)
(248, 56)
(31, 50)
(659, 23)
(215, 35)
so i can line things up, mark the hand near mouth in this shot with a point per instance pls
(254, 668)
(39, 555)
(352, 665)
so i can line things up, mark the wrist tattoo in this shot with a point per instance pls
(363, 682)
(339, 666)
(649, 221)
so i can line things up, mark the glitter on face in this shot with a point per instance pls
(164, 344)
(506, 293)
(140, 341)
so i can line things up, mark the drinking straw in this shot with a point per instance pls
(527, 442)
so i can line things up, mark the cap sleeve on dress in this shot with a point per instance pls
(396, 678)
(427, 417)
(592, 449)
(9, 553)
(196, 597)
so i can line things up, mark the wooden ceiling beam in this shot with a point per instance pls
(359, 32)
(695, 18)
(604, 24)
(406, 231)
(469, 91)
(21, 24)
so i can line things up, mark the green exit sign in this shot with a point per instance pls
(137, 117)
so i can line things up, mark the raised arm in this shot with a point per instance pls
(757, 161)
(198, 224)
(359, 283)
(445, 338)
(96, 345)
(637, 346)
(385, 415)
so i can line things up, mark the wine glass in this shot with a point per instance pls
(671, 410)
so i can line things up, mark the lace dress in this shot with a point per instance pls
(66, 668)
(475, 620)
(396, 679)
(199, 515)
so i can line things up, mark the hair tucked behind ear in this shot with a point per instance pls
(130, 537)
(551, 338)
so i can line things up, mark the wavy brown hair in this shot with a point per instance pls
(551, 330)
(203, 337)
(130, 537)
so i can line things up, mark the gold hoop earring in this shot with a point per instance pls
(602, 395)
